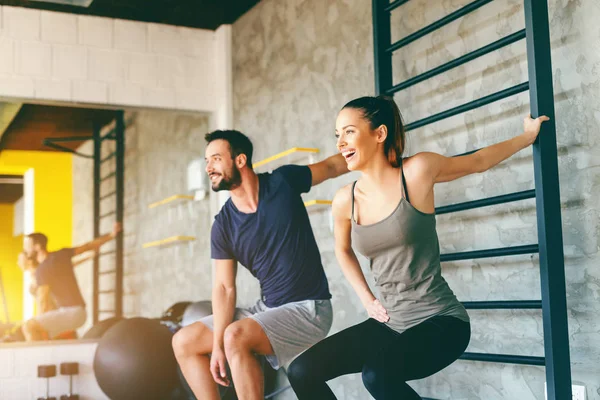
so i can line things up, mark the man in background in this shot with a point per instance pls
(55, 279)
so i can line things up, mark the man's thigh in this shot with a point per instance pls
(251, 335)
(61, 320)
(240, 313)
(293, 328)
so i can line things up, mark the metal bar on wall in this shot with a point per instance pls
(504, 358)
(437, 24)
(96, 179)
(381, 39)
(488, 253)
(545, 162)
(120, 198)
(489, 201)
(483, 101)
(393, 5)
(503, 305)
(505, 41)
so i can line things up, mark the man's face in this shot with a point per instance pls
(22, 261)
(30, 248)
(220, 166)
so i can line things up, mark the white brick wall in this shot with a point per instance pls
(130, 35)
(58, 28)
(7, 62)
(69, 62)
(70, 58)
(16, 86)
(18, 370)
(21, 23)
(55, 89)
(33, 58)
(95, 31)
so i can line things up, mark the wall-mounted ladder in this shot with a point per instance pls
(108, 277)
(550, 246)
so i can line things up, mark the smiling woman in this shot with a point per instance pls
(417, 326)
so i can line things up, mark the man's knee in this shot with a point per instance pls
(31, 325)
(234, 338)
(192, 340)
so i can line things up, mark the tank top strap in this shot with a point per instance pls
(403, 184)
(353, 185)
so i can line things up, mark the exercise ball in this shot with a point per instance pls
(134, 360)
(172, 317)
(96, 331)
(196, 311)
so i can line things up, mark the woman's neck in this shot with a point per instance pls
(379, 174)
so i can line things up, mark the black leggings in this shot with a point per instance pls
(387, 359)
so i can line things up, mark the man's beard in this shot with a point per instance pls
(234, 180)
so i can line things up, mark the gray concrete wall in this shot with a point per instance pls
(297, 62)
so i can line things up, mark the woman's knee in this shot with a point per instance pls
(369, 378)
(299, 373)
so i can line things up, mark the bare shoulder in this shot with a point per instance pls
(419, 165)
(342, 201)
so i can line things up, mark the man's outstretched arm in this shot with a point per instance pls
(329, 168)
(95, 244)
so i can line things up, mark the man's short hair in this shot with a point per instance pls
(40, 239)
(238, 143)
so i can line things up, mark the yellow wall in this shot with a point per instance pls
(12, 276)
(53, 197)
(53, 192)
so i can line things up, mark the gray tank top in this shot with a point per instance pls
(404, 254)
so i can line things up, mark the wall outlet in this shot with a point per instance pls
(577, 390)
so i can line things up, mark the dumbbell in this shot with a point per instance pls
(47, 371)
(70, 369)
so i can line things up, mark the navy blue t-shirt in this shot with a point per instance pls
(57, 272)
(276, 243)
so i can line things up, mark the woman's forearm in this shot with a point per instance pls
(495, 154)
(353, 273)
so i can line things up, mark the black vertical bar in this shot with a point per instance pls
(97, 164)
(552, 269)
(382, 38)
(120, 198)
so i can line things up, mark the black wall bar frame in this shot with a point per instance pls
(117, 134)
(553, 303)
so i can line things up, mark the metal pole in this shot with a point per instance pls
(552, 269)
(120, 191)
(381, 42)
(96, 179)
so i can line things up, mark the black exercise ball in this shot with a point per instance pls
(96, 331)
(196, 311)
(134, 360)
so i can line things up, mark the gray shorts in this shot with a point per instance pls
(291, 328)
(62, 320)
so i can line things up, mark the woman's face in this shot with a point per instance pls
(355, 139)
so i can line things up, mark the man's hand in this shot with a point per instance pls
(117, 228)
(331, 167)
(218, 366)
